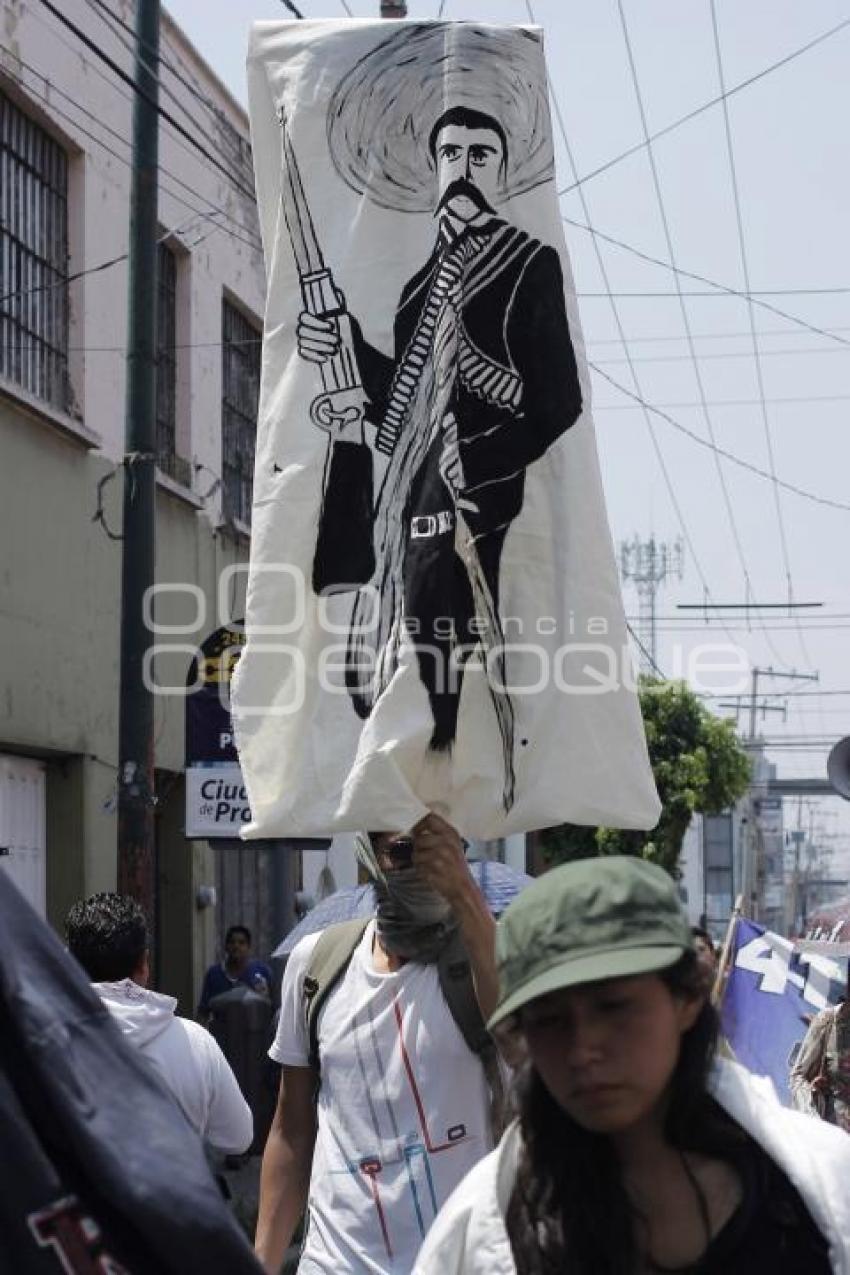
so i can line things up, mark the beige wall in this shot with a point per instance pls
(59, 571)
(59, 637)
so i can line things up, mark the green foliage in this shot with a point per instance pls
(699, 767)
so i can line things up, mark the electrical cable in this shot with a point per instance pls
(722, 402)
(113, 132)
(132, 46)
(701, 336)
(745, 270)
(163, 114)
(160, 57)
(789, 352)
(668, 239)
(730, 456)
(646, 654)
(706, 106)
(674, 500)
(784, 694)
(691, 292)
(722, 289)
(60, 283)
(43, 97)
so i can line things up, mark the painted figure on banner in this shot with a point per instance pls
(481, 380)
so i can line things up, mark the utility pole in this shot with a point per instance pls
(648, 563)
(755, 674)
(136, 835)
(750, 865)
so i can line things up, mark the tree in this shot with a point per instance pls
(700, 767)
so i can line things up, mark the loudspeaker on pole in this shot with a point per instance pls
(838, 767)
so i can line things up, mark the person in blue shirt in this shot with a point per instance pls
(237, 967)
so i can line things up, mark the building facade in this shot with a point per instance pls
(65, 127)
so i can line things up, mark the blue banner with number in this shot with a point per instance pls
(772, 991)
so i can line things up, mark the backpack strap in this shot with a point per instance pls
(458, 989)
(330, 959)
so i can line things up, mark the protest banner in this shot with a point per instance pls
(434, 612)
(773, 988)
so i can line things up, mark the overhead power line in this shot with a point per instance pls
(159, 56)
(668, 239)
(645, 653)
(647, 417)
(53, 107)
(728, 354)
(706, 106)
(166, 115)
(62, 283)
(691, 292)
(796, 400)
(701, 336)
(782, 694)
(111, 21)
(745, 271)
(721, 289)
(720, 402)
(116, 87)
(730, 456)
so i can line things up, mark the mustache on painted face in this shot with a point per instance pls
(462, 186)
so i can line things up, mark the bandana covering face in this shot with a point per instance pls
(414, 921)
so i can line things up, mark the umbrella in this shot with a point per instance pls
(498, 882)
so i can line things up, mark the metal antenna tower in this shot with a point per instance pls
(648, 563)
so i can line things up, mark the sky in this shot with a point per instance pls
(777, 402)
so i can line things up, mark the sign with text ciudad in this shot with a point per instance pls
(216, 799)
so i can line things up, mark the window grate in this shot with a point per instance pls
(33, 258)
(241, 360)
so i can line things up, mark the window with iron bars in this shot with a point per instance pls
(33, 258)
(241, 358)
(167, 459)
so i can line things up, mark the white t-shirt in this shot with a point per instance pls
(403, 1111)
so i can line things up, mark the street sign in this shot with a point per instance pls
(216, 800)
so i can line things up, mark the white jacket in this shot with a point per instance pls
(189, 1061)
(469, 1235)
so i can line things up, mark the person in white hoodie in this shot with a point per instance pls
(108, 936)
(636, 1150)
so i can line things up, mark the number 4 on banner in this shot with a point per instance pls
(771, 958)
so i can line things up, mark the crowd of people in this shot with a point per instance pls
(545, 1094)
(630, 1145)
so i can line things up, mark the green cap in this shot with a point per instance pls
(586, 921)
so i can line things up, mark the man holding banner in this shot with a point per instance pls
(773, 987)
(820, 1078)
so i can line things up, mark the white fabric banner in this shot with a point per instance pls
(434, 616)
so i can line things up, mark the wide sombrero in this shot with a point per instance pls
(381, 114)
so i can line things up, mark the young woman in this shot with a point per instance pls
(636, 1151)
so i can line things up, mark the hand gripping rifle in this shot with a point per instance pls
(344, 557)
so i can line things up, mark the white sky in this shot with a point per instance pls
(789, 138)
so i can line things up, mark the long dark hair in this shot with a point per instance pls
(569, 1210)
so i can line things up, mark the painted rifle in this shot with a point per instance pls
(344, 558)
